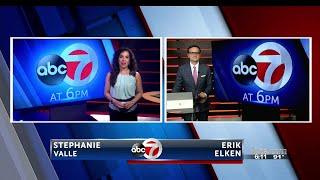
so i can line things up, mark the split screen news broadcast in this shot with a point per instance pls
(147, 92)
(232, 79)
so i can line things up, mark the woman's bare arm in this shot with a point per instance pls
(107, 92)
(139, 92)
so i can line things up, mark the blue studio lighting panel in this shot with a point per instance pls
(55, 71)
(264, 72)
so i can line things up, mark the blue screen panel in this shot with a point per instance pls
(55, 71)
(271, 72)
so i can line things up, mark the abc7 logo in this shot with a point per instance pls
(269, 67)
(150, 149)
(52, 69)
(77, 66)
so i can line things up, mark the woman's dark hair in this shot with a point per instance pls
(115, 65)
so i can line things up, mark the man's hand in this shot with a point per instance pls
(202, 95)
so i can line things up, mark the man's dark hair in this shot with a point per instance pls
(192, 47)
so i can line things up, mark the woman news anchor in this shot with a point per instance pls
(123, 86)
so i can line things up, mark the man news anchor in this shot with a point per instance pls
(195, 77)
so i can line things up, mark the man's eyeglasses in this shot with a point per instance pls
(193, 52)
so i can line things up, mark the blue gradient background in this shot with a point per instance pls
(124, 21)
